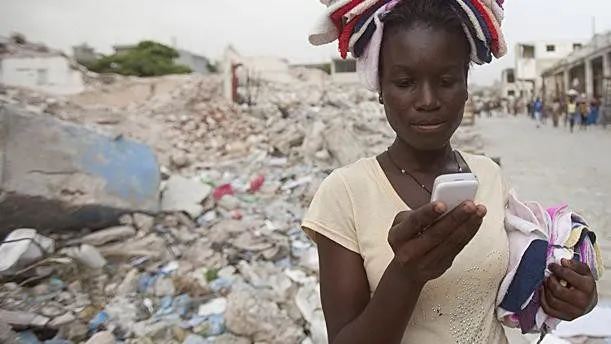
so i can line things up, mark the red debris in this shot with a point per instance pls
(222, 191)
(256, 184)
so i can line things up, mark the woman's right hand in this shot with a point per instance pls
(425, 248)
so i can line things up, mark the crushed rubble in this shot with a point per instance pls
(225, 260)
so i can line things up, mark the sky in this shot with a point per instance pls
(261, 27)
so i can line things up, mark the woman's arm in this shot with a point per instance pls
(352, 316)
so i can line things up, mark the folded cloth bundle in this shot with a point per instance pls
(358, 25)
(537, 238)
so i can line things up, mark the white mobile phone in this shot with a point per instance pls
(453, 189)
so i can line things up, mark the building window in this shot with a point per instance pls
(577, 46)
(528, 51)
(511, 77)
(42, 77)
(345, 66)
(550, 48)
(511, 93)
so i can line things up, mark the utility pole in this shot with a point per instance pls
(593, 26)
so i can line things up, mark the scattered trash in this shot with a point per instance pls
(222, 191)
(216, 306)
(256, 184)
(23, 247)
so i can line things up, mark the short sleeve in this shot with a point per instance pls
(331, 213)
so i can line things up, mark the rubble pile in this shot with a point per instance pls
(225, 260)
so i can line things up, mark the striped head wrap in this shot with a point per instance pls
(358, 26)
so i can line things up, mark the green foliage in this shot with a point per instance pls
(212, 67)
(148, 58)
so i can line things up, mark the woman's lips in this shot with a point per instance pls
(428, 127)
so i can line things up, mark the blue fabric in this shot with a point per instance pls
(367, 14)
(593, 117)
(538, 106)
(361, 43)
(529, 276)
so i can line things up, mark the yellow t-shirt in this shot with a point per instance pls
(355, 207)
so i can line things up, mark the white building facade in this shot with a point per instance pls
(533, 58)
(46, 72)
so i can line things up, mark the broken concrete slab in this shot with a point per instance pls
(182, 194)
(108, 235)
(23, 319)
(61, 176)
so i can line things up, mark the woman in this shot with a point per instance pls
(389, 273)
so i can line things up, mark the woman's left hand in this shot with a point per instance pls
(570, 291)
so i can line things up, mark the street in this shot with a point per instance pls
(553, 166)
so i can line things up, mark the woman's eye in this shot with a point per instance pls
(407, 82)
(447, 82)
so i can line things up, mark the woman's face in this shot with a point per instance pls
(424, 84)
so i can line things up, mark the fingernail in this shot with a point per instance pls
(468, 206)
(439, 208)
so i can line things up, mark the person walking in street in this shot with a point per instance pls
(538, 111)
(556, 112)
(391, 270)
(571, 113)
(584, 111)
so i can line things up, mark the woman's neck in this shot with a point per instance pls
(414, 159)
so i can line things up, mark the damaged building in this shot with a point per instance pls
(533, 58)
(582, 70)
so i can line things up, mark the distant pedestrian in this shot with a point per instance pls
(538, 111)
(556, 112)
(584, 111)
(571, 113)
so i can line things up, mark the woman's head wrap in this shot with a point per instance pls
(358, 26)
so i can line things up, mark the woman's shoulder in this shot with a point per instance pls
(350, 179)
(354, 172)
(480, 163)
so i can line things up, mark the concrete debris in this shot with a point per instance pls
(87, 255)
(23, 319)
(109, 235)
(21, 248)
(77, 178)
(225, 260)
(103, 337)
(251, 314)
(182, 194)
